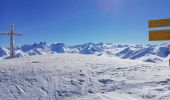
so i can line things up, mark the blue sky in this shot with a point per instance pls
(80, 21)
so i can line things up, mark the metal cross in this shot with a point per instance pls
(11, 34)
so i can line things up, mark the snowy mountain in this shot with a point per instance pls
(69, 76)
(147, 53)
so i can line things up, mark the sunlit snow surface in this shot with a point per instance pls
(82, 77)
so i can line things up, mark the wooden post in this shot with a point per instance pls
(12, 52)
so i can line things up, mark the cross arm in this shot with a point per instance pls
(4, 33)
(18, 34)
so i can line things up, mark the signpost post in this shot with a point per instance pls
(159, 35)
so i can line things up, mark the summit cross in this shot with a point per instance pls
(11, 34)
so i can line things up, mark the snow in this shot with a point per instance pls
(70, 76)
(109, 96)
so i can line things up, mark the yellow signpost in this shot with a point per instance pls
(158, 35)
(159, 23)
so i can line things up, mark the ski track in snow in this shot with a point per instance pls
(82, 77)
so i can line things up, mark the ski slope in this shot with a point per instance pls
(82, 77)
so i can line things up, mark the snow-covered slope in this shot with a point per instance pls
(147, 53)
(82, 77)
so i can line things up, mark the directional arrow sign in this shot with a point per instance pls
(158, 35)
(159, 23)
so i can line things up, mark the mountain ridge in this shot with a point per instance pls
(147, 53)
